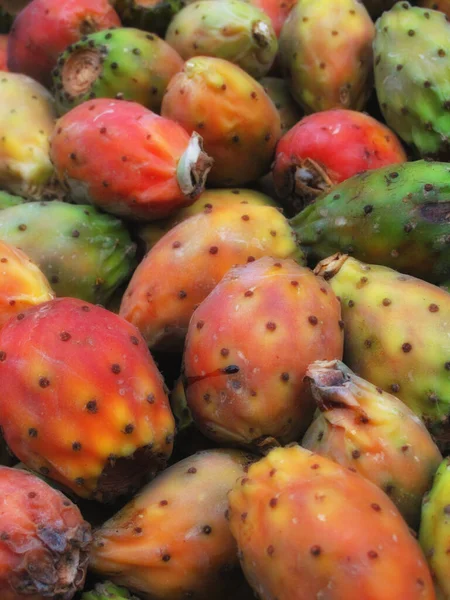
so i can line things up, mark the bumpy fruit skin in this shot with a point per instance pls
(45, 28)
(3, 52)
(278, 91)
(237, 120)
(125, 63)
(233, 30)
(128, 160)
(327, 148)
(442, 5)
(27, 118)
(108, 591)
(83, 253)
(22, 284)
(172, 540)
(190, 260)
(412, 85)
(372, 432)
(149, 15)
(396, 335)
(326, 54)
(397, 216)
(377, 7)
(45, 542)
(246, 386)
(7, 200)
(70, 362)
(308, 528)
(277, 10)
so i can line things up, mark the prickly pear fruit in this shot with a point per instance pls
(412, 86)
(72, 362)
(434, 534)
(83, 253)
(126, 63)
(173, 541)
(232, 392)
(278, 91)
(149, 15)
(45, 28)
(3, 52)
(128, 160)
(22, 284)
(442, 5)
(327, 148)
(27, 118)
(372, 432)
(377, 7)
(396, 335)
(190, 260)
(238, 121)
(7, 200)
(326, 54)
(233, 30)
(44, 544)
(308, 528)
(108, 591)
(277, 10)
(395, 216)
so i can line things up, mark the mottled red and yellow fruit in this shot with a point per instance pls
(246, 384)
(308, 528)
(22, 283)
(173, 540)
(83, 401)
(277, 10)
(44, 541)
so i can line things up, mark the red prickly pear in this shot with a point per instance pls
(128, 160)
(277, 10)
(247, 385)
(67, 361)
(307, 528)
(44, 541)
(3, 52)
(45, 28)
(328, 147)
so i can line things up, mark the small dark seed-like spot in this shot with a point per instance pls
(356, 454)
(284, 376)
(315, 550)
(433, 308)
(2, 356)
(32, 432)
(115, 368)
(213, 250)
(271, 326)
(207, 529)
(376, 507)
(270, 550)
(387, 302)
(248, 293)
(200, 324)
(273, 502)
(76, 446)
(166, 557)
(91, 406)
(313, 320)
(224, 352)
(395, 388)
(65, 336)
(44, 382)
(191, 470)
(129, 428)
(372, 554)
(406, 347)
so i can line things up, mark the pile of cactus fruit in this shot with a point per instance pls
(224, 300)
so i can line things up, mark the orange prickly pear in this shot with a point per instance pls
(307, 528)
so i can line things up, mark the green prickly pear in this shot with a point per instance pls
(396, 335)
(412, 48)
(108, 591)
(397, 216)
(372, 432)
(7, 200)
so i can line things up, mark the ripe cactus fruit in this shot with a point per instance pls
(172, 540)
(233, 30)
(442, 5)
(238, 121)
(233, 395)
(108, 591)
(277, 10)
(3, 52)
(83, 253)
(396, 335)
(308, 528)
(190, 260)
(27, 118)
(149, 15)
(44, 28)
(125, 63)
(22, 284)
(327, 148)
(72, 362)
(128, 160)
(44, 544)
(372, 432)
(394, 216)
(326, 54)
(7, 200)
(278, 91)
(412, 87)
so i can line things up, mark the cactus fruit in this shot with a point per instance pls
(108, 591)
(277, 10)
(44, 544)
(44, 28)
(278, 91)
(396, 335)
(172, 540)
(442, 5)
(395, 216)
(128, 160)
(83, 253)
(246, 386)
(308, 528)
(22, 283)
(72, 362)
(372, 432)
(148, 15)
(326, 54)
(7, 200)
(127, 64)
(3, 52)
(190, 260)
(238, 121)
(233, 30)
(328, 147)
(27, 118)
(411, 76)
